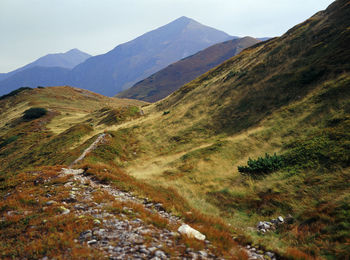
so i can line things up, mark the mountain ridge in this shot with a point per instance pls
(166, 81)
(67, 60)
(133, 61)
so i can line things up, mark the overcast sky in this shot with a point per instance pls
(30, 29)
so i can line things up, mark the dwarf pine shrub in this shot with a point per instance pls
(34, 112)
(262, 165)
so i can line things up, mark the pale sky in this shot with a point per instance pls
(30, 29)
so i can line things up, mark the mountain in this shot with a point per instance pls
(133, 61)
(130, 62)
(169, 79)
(34, 76)
(67, 60)
(254, 153)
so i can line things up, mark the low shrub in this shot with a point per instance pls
(34, 112)
(262, 165)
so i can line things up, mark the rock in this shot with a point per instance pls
(266, 226)
(72, 171)
(203, 253)
(190, 232)
(280, 219)
(64, 211)
(274, 221)
(144, 251)
(97, 222)
(269, 254)
(86, 234)
(160, 254)
(152, 249)
(117, 249)
(50, 202)
(91, 242)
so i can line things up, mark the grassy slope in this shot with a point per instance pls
(171, 78)
(289, 95)
(33, 152)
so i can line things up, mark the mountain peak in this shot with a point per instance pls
(184, 20)
(73, 50)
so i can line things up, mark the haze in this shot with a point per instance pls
(31, 29)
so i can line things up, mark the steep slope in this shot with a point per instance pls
(133, 61)
(67, 60)
(166, 81)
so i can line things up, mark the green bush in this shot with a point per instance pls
(262, 165)
(34, 112)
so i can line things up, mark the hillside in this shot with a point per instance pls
(127, 63)
(67, 60)
(253, 154)
(289, 95)
(94, 210)
(166, 81)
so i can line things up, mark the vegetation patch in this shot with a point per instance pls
(262, 165)
(34, 112)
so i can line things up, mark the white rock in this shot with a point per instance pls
(190, 232)
(72, 171)
(280, 219)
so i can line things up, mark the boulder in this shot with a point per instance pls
(190, 232)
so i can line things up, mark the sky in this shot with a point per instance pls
(30, 29)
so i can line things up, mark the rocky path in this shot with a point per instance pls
(122, 234)
(121, 229)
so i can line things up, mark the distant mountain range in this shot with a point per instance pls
(127, 63)
(67, 60)
(171, 78)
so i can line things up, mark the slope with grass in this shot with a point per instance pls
(289, 95)
(166, 81)
(53, 212)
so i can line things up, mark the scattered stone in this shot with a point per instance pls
(50, 202)
(203, 253)
(190, 232)
(64, 211)
(280, 219)
(160, 254)
(92, 242)
(72, 171)
(97, 222)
